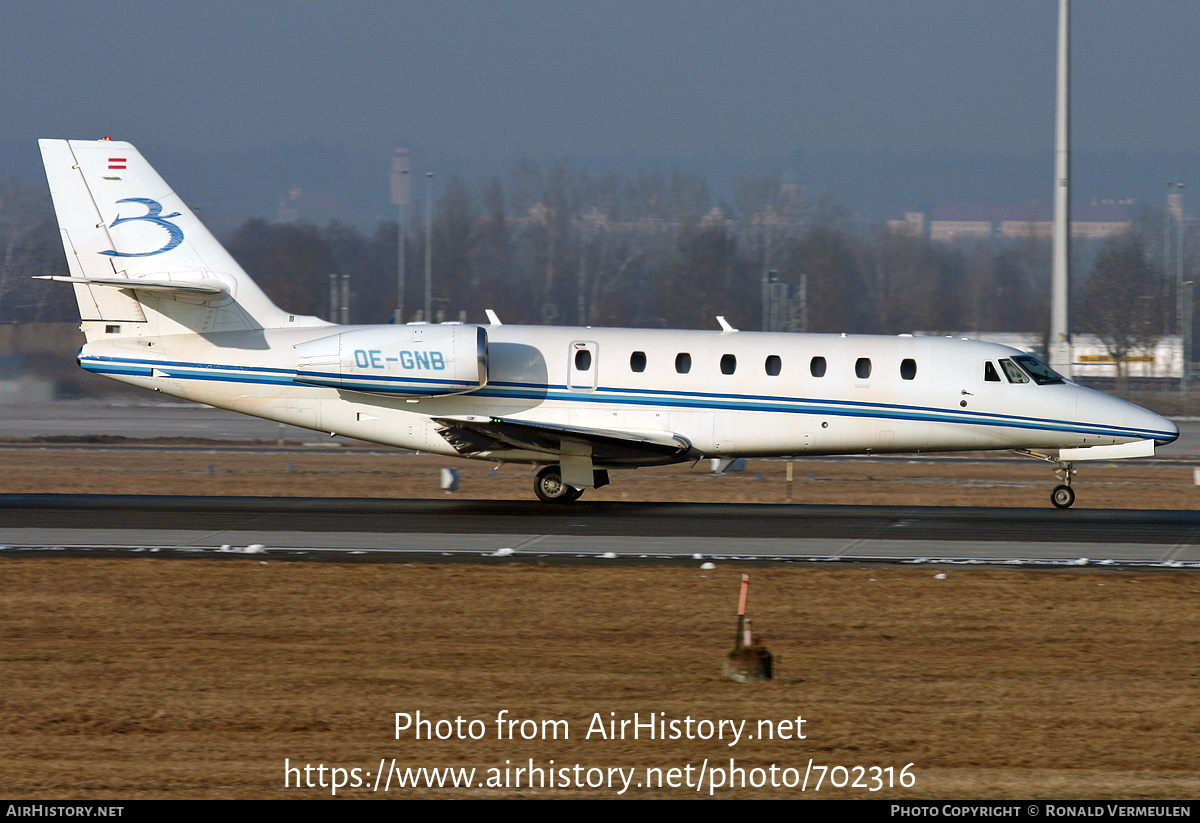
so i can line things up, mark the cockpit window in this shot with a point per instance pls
(1013, 374)
(989, 372)
(1039, 371)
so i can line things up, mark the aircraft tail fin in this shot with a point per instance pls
(140, 261)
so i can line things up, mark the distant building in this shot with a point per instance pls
(299, 206)
(911, 223)
(954, 222)
(1164, 359)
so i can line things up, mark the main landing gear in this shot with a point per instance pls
(1063, 495)
(550, 488)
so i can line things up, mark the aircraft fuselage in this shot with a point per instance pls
(729, 394)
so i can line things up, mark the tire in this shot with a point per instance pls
(1062, 497)
(550, 488)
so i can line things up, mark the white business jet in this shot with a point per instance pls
(165, 307)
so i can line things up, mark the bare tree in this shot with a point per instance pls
(291, 262)
(902, 276)
(1122, 301)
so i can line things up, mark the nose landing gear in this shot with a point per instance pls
(1063, 496)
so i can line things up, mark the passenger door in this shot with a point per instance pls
(582, 366)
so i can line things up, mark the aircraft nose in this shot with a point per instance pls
(1169, 429)
(1152, 425)
(1128, 417)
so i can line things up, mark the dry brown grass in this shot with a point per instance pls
(149, 678)
(358, 473)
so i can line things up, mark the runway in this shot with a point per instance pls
(599, 532)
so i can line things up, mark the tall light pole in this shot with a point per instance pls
(401, 198)
(1183, 291)
(428, 247)
(1060, 333)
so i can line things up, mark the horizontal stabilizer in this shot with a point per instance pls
(478, 435)
(213, 287)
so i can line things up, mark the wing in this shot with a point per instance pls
(486, 436)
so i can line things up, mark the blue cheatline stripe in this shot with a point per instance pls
(268, 376)
(844, 408)
(619, 396)
(386, 379)
(880, 411)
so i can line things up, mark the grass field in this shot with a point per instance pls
(147, 678)
(348, 472)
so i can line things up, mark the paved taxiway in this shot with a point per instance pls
(431, 529)
(141, 420)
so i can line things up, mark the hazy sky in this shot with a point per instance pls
(888, 104)
(658, 78)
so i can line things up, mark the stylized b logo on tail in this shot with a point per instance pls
(154, 215)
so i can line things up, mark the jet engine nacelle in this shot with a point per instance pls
(401, 361)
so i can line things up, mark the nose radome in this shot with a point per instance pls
(1170, 431)
(1097, 407)
(1149, 424)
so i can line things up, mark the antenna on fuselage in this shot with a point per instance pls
(725, 327)
(493, 320)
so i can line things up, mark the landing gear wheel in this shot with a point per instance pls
(550, 488)
(1062, 497)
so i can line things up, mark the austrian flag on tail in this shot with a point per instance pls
(116, 162)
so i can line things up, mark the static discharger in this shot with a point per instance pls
(749, 662)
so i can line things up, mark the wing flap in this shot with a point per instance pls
(475, 436)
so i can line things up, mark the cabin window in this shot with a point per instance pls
(728, 364)
(816, 367)
(683, 362)
(908, 368)
(583, 360)
(1014, 374)
(773, 365)
(989, 372)
(637, 361)
(862, 367)
(112, 329)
